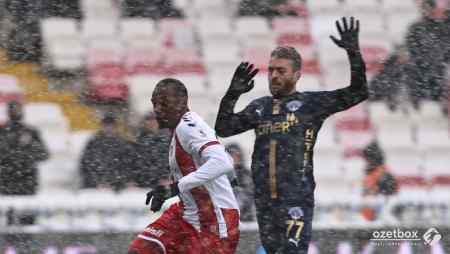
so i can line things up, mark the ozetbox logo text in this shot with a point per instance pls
(395, 235)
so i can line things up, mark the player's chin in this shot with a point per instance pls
(163, 123)
(275, 91)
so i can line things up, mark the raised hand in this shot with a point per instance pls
(349, 34)
(242, 81)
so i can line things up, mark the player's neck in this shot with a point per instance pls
(284, 95)
(181, 114)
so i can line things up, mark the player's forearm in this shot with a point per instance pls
(225, 116)
(217, 164)
(358, 81)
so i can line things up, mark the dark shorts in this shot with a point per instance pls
(281, 233)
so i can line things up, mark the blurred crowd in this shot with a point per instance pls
(417, 70)
(110, 160)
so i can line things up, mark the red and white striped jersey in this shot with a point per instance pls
(200, 163)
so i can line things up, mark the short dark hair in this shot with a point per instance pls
(290, 53)
(109, 118)
(14, 104)
(175, 84)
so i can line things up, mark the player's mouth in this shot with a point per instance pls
(275, 87)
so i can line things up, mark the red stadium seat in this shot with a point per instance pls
(353, 119)
(9, 89)
(310, 59)
(257, 56)
(102, 56)
(411, 181)
(374, 58)
(177, 33)
(144, 61)
(183, 61)
(290, 30)
(107, 84)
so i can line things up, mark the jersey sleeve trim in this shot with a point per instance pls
(207, 145)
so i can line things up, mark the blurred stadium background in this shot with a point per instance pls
(69, 67)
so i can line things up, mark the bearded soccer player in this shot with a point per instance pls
(286, 125)
(207, 218)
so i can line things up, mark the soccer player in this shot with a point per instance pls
(286, 125)
(207, 218)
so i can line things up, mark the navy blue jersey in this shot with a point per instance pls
(286, 131)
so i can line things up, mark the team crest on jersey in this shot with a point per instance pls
(294, 105)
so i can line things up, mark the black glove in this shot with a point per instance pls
(349, 35)
(160, 194)
(242, 81)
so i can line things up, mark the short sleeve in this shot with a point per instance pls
(195, 135)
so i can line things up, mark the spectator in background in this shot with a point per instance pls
(265, 8)
(428, 47)
(62, 8)
(243, 189)
(20, 150)
(107, 160)
(388, 85)
(152, 147)
(24, 38)
(378, 180)
(155, 9)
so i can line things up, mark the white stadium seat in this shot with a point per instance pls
(138, 32)
(9, 85)
(385, 119)
(254, 31)
(58, 174)
(363, 6)
(309, 83)
(78, 141)
(372, 25)
(141, 89)
(177, 33)
(405, 161)
(64, 59)
(204, 107)
(323, 6)
(398, 23)
(58, 27)
(57, 142)
(99, 9)
(215, 31)
(211, 9)
(93, 29)
(46, 116)
(326, 140)
(195, 84)
(217, 58)
(400, 6)
(323, 25)
(59, 34)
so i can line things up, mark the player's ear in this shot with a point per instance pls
(297, 74)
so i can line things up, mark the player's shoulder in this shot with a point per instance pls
(261, 101)
(312, 94)
(191, 124)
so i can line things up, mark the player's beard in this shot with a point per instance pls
(281, 88)
(163, 123)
